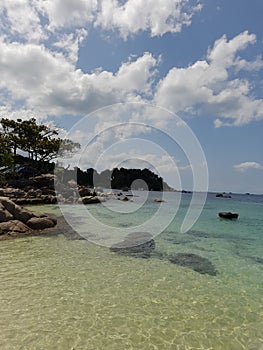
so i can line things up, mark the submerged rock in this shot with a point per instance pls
(136, 244)
(259, 260)
(195, 262)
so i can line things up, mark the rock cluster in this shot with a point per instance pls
(16, 221)
(46, 189)
(223, 195)
(37, 190)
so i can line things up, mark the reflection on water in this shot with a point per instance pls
(57, 293)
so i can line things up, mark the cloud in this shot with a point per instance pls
(242, 167)
(48, 82)
(40, 47)
(19, 18)
(156, 16)
(23, 17)
(69, 44)
(67, 13)
(208, 86)
(24, 114)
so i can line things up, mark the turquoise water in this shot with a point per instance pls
(58, 293)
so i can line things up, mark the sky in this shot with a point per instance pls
(172, 85)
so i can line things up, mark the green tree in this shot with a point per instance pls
(11, 133)
(40, 141)
(6, 157)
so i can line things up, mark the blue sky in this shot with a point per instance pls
(61, 61)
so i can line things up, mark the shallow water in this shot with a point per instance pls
(57, 293)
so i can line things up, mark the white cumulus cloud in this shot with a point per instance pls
(69, 44)
(67, 13)
(47, 81)
(208, 86)
(156, 16)
(20, 18)
(242, 167)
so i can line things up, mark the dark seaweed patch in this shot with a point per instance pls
(136, 244)
(195, 262)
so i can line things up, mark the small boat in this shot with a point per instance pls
(228, 215)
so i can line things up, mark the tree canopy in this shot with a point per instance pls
(40, 141)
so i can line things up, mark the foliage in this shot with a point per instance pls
(117, 179)
(41, 142)
(6, 157)
(123, 178)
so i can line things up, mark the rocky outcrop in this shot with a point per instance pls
(29, 195)
(90, 200)
(223, 195)
(16, 221)
(46, 189)
(19, 213)
(14, 228)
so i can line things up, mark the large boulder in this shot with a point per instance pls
(84, 191)
(4, 214)
(41, 223)
(44, 180)
(18, 212)
(14, 228)
(90, 200)
(34, 193)
(12, 192)
(16, 221)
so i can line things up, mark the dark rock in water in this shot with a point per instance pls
(223, 195)
(195, 262)
(90, 200)
(259, 260)
(228, 215)
(136, 244)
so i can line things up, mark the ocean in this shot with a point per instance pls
(62, 293)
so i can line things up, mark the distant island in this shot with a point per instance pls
(118, 179)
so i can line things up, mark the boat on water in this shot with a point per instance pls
(228, 215)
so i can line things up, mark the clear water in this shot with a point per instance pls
(57, 293)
